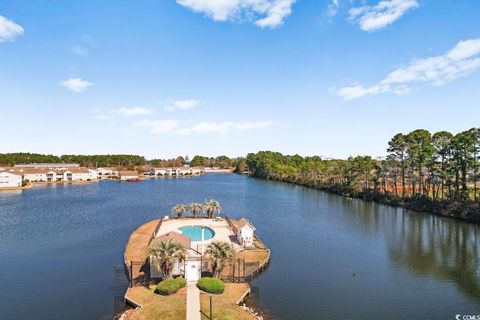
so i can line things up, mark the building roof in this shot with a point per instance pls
(78, 170)
(47, 165)
(184, 241)
(10, 173)
(34, 170)
(245, 222)
(128, 173)
(52, 170)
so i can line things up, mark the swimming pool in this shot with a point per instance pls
(195, 232)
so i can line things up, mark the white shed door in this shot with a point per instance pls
(193, 272)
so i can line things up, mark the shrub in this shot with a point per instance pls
(170, 286)
(211, 285)
(181, 281)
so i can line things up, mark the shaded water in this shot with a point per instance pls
(332, 257)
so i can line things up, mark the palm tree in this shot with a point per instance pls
(164, 256)
(211, 207)
(220, 252)
(195, 208)
(179, 210)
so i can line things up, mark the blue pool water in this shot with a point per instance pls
(195, 232)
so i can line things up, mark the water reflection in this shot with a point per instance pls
(10, 193)
(440, 248)
(423, 244)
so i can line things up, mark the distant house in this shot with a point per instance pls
(79, 174)
(38, 174)
(10, 179)
(105, 172)
(57, 175)
(245, 232)
(176, 171)
(128, 175)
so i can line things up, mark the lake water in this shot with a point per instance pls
(332, 257)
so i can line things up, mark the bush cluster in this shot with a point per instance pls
(170, 286)
(211, 285)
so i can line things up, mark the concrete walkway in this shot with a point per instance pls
(193, 301)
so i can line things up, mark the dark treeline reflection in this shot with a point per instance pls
(426, 246)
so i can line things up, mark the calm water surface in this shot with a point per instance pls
(333, 258)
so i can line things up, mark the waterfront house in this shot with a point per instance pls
(37, 174)
(10, 179)
(70, 174)
(79, 174)
(128, 175)
(104, 173)
(245, 231)
(177, 171)
(158, 171)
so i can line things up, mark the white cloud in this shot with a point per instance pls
(158, 126)
(173, 105)
(264, 13)
(460, 61)
(133, 111)
(384, 13)
(9, 30)
(76, 84)
(333, 8)
(173, 127)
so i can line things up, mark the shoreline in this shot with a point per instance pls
(39, 184)
(28, 186)
(437, 209)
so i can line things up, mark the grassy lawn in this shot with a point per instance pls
(156, 306)
(258, 244)
(224, 306)
(138, 242)
(253, 255)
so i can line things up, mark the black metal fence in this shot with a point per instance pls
(120, 286)
(137, 273)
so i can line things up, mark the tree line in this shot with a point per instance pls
(423, 171)
(115, 160)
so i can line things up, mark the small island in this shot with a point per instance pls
(177, 264)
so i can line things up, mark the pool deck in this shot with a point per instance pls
(221, 228)
(137, 244)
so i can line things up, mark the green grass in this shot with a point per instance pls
(224, 306)
(156, 306)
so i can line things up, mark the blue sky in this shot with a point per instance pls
(185, 77)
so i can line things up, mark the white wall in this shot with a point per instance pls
(245, 236)
(35, 177)
(8, 180)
